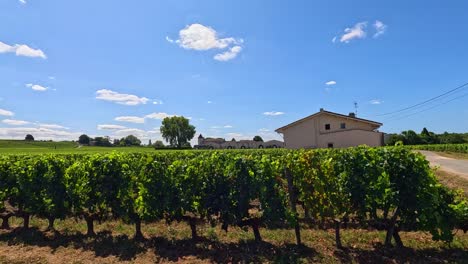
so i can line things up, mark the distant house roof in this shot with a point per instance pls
(351, 116)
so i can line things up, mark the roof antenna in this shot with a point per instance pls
(355, 107)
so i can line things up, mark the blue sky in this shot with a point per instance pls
(236, 68)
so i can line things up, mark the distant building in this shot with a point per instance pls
(331, 130)
(221, 143)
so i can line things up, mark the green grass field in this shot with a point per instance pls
(63, 147)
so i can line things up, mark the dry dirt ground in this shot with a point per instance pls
(449, 164)
(172, 244)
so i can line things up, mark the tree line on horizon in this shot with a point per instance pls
(176, 130)
(426, 137)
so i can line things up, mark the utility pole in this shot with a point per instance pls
(355, 107)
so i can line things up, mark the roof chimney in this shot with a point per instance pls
(352, 114)
(321, 109)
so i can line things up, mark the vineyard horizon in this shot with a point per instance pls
(389, 190)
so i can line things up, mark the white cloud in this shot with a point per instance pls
(120, 98)
(356, 32)
(139, 133)
(22, 50)
(201, 38)
(158, 102)
(141, 120)
(218, 127)
(228, 55)
(25, 50)
(234, 135)
(37, 87)
(209, 102)
(330, 83)
(38, 133)
(22, 2)
(160, 116)
(376, 101)
(51, 77)
(273, 113)
(15, 122)
(4, 112)
(380, 28)
(130, 119)
(110, 127)
(263, 130)
(51, 126)
(130, 131)
(169, 39)
(334, 39)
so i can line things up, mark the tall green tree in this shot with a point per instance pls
(84, 139)
(130, 140)
(29, 137)
(258, 138)
(158, 144)
(177, 131)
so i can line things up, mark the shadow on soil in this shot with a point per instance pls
(382, 254)
(125, 248)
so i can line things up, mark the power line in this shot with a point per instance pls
(427, 101)
(427, 109)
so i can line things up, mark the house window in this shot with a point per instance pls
(327, 126)
(343, 125)
(330, 145)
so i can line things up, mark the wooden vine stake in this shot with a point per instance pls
(292, 204)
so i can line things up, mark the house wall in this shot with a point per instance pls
(302, 135)
(351, 138)
(336, 121)
(311, 133)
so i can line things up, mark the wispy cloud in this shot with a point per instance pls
(110, 127)
(355, 32)
(358, 31)
(4, 112)
(39, 133)
(273, 113)
(234, 135)
(330, 83)
(37, 87)
(218, 127)
(159, 116)
(380, 28)
(15, 122)
(51, 126)
(201, 38)
(22, 50)
(130, 119)
(376, 101)
(228, 55)
(120, 98)
(22, 2)
(141, 120)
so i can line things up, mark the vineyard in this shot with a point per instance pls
(457, 148)
(391, 189)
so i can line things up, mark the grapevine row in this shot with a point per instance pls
(391, 187)
(459, 148)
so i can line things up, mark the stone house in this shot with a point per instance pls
(327, 129)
